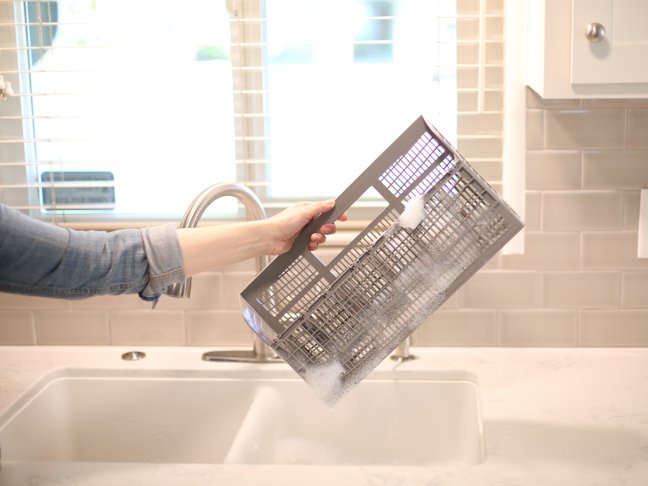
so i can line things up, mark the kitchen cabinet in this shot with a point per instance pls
(587, 48)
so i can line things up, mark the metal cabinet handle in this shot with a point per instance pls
(594, 32)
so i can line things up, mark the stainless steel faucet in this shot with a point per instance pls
(260, 352)
(402, 352)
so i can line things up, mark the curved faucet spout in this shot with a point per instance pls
(195, 211)
(243, 193)
(255, 211)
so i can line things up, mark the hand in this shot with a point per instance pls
(290, 222)
(209, 247)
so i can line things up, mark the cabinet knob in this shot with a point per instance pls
(594, 32)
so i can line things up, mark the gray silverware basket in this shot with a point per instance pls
(349, 314)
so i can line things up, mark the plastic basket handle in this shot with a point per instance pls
(303, 239)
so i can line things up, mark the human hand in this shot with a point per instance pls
(287, 225)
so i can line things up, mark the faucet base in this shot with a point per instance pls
(402, 352)
(239, 356)
(402, 359)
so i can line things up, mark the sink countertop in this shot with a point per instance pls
(551, 416)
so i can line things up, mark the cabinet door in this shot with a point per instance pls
(621, 56)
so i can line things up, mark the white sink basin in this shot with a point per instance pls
(192, 417)
(127, 419)
(387, 422)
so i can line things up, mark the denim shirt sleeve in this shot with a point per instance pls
(164, 257)
(37, 258)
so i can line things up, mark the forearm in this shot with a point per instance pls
(209, 247)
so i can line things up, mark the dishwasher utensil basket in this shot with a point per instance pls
(442, 222)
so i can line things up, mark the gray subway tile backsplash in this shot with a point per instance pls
(584, 128)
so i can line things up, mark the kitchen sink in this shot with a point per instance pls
(265, 417)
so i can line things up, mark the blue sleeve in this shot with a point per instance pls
(41, 259)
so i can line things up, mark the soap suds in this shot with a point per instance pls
(416, 293)
(413, 213)
(327, 381)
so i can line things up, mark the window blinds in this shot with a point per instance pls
(127, 109)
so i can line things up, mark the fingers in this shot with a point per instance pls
(320, 238)
(318, 208)
(316, 239)
(328, 229)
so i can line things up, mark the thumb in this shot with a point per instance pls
(321, 207)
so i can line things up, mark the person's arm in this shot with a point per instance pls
(41, 259)
(209, 247)
(38, 258)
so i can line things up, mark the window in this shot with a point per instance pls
(348, 79)
(128, 109)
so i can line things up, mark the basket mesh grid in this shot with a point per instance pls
(289, 284)
(356, 250)
(424, 153)
(357, 309)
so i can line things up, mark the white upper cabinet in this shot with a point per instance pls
(588, 48)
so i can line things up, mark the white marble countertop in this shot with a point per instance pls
(551, 416)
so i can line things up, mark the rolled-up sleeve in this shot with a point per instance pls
(164, 257)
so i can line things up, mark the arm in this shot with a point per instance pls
(37, 258)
